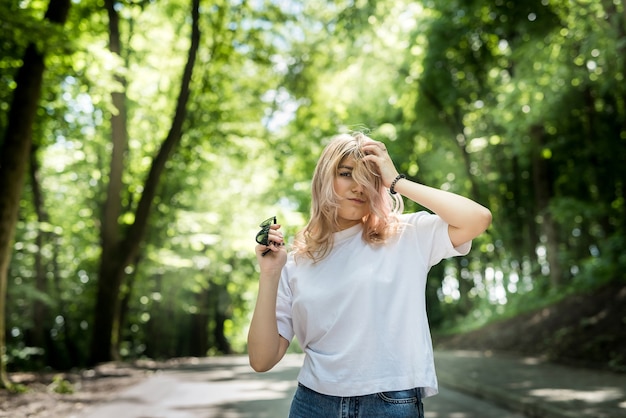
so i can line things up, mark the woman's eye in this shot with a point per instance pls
(345, 174)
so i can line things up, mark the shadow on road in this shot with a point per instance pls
(473, 385)
(222, 387)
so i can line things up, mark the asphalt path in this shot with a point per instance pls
(226, 387)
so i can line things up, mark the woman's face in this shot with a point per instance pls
(353, 203)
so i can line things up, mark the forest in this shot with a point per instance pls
(143, 141)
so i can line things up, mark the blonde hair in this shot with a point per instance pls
(316, 239)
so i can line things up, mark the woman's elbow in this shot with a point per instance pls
(258, 365)
(485, 219)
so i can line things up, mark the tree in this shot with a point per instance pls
(15, 154)
(120, 251)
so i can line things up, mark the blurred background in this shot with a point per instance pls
(143, 141)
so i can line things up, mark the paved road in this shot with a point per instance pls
(226, 387)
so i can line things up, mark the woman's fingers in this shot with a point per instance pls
(374, 147)
(376, 152)
(275, 240)
(275, 236)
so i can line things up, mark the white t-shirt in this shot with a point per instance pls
(360, 313)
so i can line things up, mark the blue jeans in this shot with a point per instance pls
(400, 404)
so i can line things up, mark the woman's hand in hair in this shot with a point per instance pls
(376, 152)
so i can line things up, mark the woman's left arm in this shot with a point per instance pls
(466, 218)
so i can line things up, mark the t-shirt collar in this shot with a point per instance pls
(347, 233)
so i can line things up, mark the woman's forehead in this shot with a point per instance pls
(347, 162)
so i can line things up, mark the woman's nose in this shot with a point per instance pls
(357, 188)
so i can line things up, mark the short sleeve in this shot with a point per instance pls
(432, 233)
(283, 306)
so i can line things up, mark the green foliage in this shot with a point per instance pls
(519, 105)
(61, 385)
(17, 388)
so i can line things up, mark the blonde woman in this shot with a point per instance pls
(352, 290)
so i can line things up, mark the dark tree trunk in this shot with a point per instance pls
(124, 308)
(40, 309)
(14, 156)
(118, 252)
(542, 184)
(199, 338)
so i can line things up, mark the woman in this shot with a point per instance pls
(353, 289)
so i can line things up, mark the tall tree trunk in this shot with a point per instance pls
(110, 232)
(542, 182)
(119, 251)
(125, 297)
(221, 307)
(40, 309)
(199, 338)
(14, 157)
